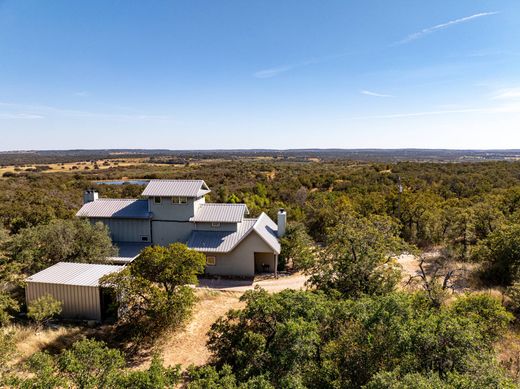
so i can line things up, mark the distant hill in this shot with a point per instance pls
(440, 155)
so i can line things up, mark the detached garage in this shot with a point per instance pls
(76, 285)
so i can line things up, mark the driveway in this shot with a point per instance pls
(295, 281)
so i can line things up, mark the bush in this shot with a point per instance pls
(44, 309)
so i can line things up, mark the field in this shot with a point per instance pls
(87, 165)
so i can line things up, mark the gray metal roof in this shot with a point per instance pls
(115, 208)
(225, 241)
(127, 252)
(221, 213)
(268, 231)
(166, 188)
(79, 274)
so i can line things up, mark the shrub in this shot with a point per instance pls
(44, 309)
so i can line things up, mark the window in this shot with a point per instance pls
(144, 238)
(157, 200)
(211, 261)
(179, 200)
(215, 224)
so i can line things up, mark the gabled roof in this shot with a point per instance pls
(268, 231)
(225, 241)
(167, 188)
(115, 208)
(220, 213)
(79, 274)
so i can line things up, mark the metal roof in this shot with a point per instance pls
(268, 231)
(115, 208)
(127, 251)
(78, 274)
(220, 213)
(166, 188)
(225, 241)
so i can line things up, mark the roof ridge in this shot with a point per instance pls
(174, 179)
(111, 199)
(227, 204)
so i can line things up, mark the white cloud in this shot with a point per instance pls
(375, 94)
(10, 115)
(275, 71)
(82, 94)
(268, 73)
(506, 108)
(429, 30)
(44, 111)
(507, 94)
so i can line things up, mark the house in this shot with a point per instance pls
(175, 211)
(76, 285)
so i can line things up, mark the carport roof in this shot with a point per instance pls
(77, 274)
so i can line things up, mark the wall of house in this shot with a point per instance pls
(167, 210)
(241, 260)
(165, 232)
(127, 230)
(209, 227)
(79, 302)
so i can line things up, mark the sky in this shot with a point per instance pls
(259, 74)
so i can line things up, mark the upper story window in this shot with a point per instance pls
(215, 224)
(157, 200)
(179, 200)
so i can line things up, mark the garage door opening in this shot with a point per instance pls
(264, 263)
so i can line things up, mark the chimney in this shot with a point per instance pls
(282, 222)
(90, 195)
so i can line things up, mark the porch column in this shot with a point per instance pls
(276, 265)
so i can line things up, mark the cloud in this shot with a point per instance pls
(375, 94)
(507, 108)
(507, 94)
(82, 94)
(275, 71)
(430, 30)
(44, 111)
(9, 115)
(268, 73)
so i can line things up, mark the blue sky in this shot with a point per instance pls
(259, 74)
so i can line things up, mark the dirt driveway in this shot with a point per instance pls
(295, 281)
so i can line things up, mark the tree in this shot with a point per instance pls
(297, 248)
(172, 266)
(154, 292)
(360, 257)
(76, 240)
(91, 364)
(45, 373)
(500, 255)
(156, 377)
(44, 309)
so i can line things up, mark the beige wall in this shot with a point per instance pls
(241, 260)
(79, 302)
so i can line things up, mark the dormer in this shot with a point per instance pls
(175, 200)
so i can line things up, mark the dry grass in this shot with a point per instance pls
(29, 340)
(101, 164)
(188, 346)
